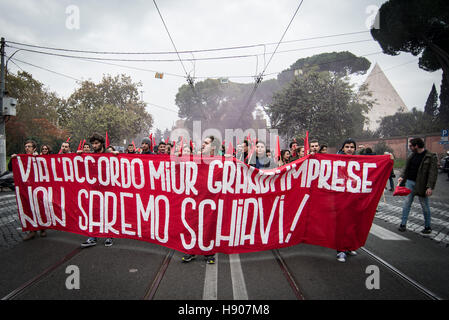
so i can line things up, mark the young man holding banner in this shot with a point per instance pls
(314, 146)
(98, 145)
(209, 147)
(348, 148)
(30, 148)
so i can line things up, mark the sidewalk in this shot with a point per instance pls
(390, 210)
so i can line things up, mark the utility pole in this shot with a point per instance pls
(2, 118)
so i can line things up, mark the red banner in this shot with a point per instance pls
(203, 205)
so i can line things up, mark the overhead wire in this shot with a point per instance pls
(174, 111)
(203, 77)
(73, 78)
(171, 39)
(187, 59)
(208, 77)
(258, 79)
(190, 80)
(161, 107)
(185, 51)
(55, 72)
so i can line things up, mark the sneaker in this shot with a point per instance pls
(30, 236)
(426, 231)
(108, 242)
(402, 228)
(89, 243)
(341, 257)
(351, 253)
(43, 234)
(210, 259)
(188, 257)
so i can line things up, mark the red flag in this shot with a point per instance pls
(79, 145)
(181, 146)
(191, 145)
(251, 152)
(172, 150)
(134, 146)
(107, 140)
(68, 139)
(230, 149)
(306, 144)
(277, 153)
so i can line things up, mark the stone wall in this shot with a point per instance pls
(399, 145)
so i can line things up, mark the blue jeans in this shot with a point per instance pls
(424, 201)
(391, 183)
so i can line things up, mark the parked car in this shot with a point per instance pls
(444, 163)
(7, 180)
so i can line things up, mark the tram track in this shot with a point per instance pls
(156, 280)
(154, 285)
(288, 274)
(25, 286)
(428, 293)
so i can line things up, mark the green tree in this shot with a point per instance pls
(406, 123)
(36, 113)
(158, 135)
(112, 105)
(418, 27)
(319, 102)
(342, 63)
(231, 105)
(216, 105)
(431, 107)
(382, 147)
(443, 109)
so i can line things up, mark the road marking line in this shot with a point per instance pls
(210, 281)
(7, 197)
(238, 281)
(385, 234)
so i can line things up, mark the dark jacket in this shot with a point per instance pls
(263, 163)
(427, 173)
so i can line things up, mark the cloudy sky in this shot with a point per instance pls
(135, 26)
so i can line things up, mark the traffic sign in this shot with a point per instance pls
(444, 136)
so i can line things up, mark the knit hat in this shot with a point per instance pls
(147, 141)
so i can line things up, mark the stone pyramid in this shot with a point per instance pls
(388, 101)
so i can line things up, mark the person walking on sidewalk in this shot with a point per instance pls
(420, 176)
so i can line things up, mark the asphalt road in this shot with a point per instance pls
(131, 270)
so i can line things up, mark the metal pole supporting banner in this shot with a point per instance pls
(2, 121)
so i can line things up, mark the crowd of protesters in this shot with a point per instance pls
(255, 153)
